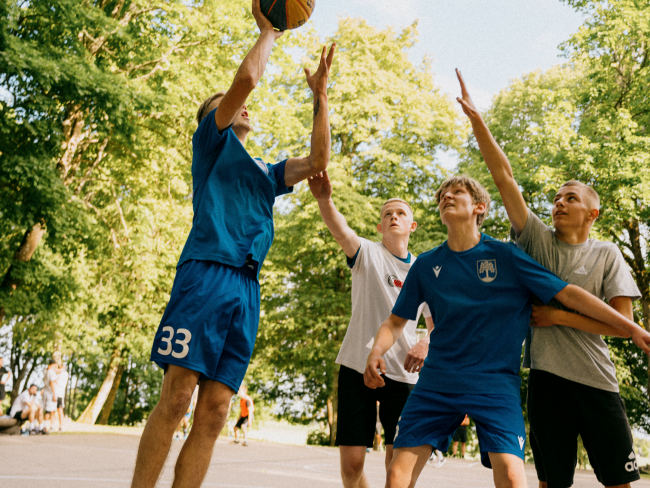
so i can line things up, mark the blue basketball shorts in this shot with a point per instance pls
(210, 323)
(431, 418)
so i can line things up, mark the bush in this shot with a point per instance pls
(318, 438)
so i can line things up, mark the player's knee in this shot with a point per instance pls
(176, 403)
(397, 476)
(352, 468)
(512, 477)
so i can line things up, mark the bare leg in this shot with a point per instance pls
(210, 416)
(244, 429)
(508, 471)
(236, 433)
(177, 390)
(454, 449)
(462, 449)
(352, 460)
(407, 465)
(389, 455)
(61, 417)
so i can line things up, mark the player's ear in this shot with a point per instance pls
(593, 215)
(379, 228)
(480, 208)
(414, 225)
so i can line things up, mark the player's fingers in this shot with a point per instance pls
(463, 90)
(330, 55)
(307, 72)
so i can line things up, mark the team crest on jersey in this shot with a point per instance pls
(393, 281)
(487, 269)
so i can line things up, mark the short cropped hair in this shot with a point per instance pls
(592, 195)
(200, 114)
(391, 200)
(478, 192)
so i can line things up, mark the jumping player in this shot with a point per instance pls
(208, 329)
(378, 271)
(480, 293)
(572, 387)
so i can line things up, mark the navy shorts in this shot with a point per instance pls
(431, 418)
(210, 322)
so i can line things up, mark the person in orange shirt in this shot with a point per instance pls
(246, 415)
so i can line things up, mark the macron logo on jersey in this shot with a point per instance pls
(521, 442)
(394, 282)
(436, 270)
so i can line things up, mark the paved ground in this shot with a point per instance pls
(105, 460)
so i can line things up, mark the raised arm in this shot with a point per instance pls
(297, 169)
(547, 315)
(576, 298)
(321, 189)
(249, 73)
(496, 161)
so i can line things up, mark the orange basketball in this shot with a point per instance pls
(287, 14)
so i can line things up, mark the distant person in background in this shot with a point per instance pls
(49, 394)
(5, 374)
(246, 413)
(460, 436)
(59, 390)
(25, 407)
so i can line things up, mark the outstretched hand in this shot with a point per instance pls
(320, 186)
(262, 21)
(318, 81)
(466, 101)
(642, 339)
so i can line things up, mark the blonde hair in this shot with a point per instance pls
(592, 195)
(391, 200)
(476, 190)
(200, 115)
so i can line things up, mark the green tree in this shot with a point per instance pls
(588, 120)
(388, 120)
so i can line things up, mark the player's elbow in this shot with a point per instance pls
(318, 163)
(245, 81)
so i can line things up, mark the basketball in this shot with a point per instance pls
(287, 14)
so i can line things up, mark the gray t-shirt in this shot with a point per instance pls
(377, 278)
(595, 266)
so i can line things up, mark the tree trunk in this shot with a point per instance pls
(108, 406)
(90, 414)
(332, 408)
(20, 377)
(642, 278)
(23, 254)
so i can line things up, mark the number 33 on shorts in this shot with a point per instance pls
(187, 337)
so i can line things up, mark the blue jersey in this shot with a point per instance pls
(480, 301)
(233, 199)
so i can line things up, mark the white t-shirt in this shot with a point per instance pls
(377, 278)
(21, 402)
(50, 375)
(61, 382)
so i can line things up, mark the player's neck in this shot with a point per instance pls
(396, 245)
(462, 236)
(572, 235)
(241, 134)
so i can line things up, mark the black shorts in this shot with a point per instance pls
(242, 421)
(18, 416)
(357, 408)
(59, 402)
(559, 410)
(461, 434)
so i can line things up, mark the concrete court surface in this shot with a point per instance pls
(106, 460)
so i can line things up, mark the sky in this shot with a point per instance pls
(491, 41)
